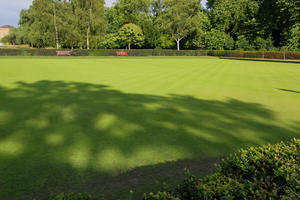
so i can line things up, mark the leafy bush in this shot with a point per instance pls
(110, 41)
(260, 44)
(70, 196)
(243, 44)
(293, 42)
(160, 196)
(268, 172)
(214, 40)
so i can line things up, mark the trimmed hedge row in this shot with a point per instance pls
(256, 54)
(268, 172)
(27, 52)
(155, 52)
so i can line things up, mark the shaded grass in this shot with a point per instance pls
(111, 125)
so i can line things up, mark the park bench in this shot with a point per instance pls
(63, 53)
(122, 53)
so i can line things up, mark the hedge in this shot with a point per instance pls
(256, 54)
(155, 52)
(268, 172)
(27, 52)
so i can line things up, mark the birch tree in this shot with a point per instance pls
(179, 18)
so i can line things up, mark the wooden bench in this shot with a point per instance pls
(122, 53)
(63, 53)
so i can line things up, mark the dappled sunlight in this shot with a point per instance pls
(55, 139)
(54, 131)
(114, 126)
(153, 106)
(38, 123)
(204, 135)
(78, 154)
(105, 121)
(112, 160)
(12, 145)
(67, 114)
(109, 160)
(166, 125)
(124, 129)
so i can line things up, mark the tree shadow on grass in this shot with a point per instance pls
(58, 136)
(286, 90)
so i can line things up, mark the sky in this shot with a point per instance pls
(10, 10)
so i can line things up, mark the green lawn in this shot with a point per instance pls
(108, 125)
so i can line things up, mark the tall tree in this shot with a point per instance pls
(256, 18)
(131, 34)
(179, 18)
(90, 19)
(55, 24)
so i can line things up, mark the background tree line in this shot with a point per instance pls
(161, 24)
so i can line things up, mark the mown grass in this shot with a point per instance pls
(108, 125)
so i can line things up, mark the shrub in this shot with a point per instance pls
(229, 43)
(268, 172)
(260, 44)
(293, 42)
(243, 44)
(70, 196)
(110, 41)
(214, 39)
(160, 196)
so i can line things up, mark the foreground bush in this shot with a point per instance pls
(70, 196)
(268, 172)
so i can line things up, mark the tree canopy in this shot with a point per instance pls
(222, 24)
(131, 34)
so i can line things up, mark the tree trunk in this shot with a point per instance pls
(178, 44)
(55, 26)
(88, 31)
(87, 38)
(129, 45)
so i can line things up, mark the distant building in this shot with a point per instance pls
(4, 30)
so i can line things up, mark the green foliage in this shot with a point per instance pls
(293, 42)
(268, 172)
(78, 24)
(229, 43)
(166, 42)
(243, 44)
(179, 18)
(70, 196)
(89, 17)
(160, 196)
(131, 34)
(255, 18)
(156, 52)
(215, 40)
(262, 44)
(110, 41)
(11, 38)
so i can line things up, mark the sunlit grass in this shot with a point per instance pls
(77, 123)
